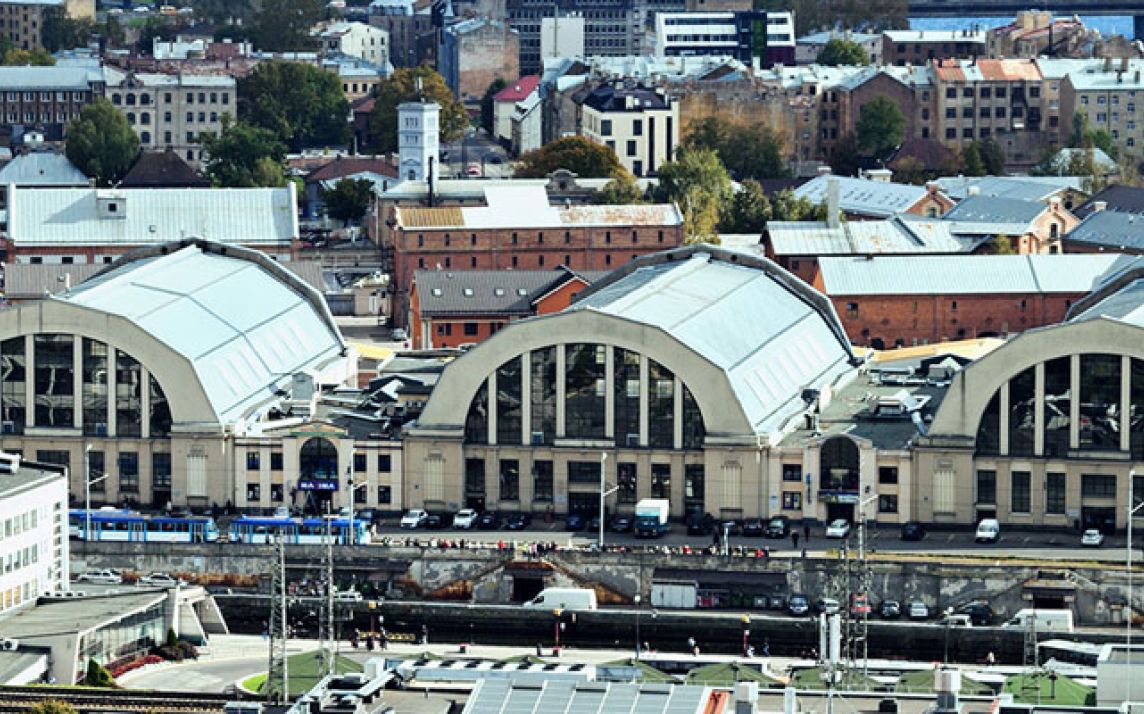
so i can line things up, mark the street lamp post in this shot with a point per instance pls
(637, 599)
(88, 481)
(604, 493)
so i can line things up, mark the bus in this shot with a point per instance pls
(299, 531)
(129, 526)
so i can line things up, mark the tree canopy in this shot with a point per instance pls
(52, 706)
(880, 126)
(578, 154)
(301, 104)
(748, 210)
(400, 87)
(14, 56)
(752, 150)
(487, 103)
(60, 32)
(348, 200)
(840, 51)
(284, 25)
(621, 190)
(101, 143)
(1085, 137)
(698, 183)
(243, 156)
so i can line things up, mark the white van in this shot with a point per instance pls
(988, 531)
(565, 599)
(1042, 620)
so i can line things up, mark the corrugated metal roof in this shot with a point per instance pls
(1126, 304)
(41, 168)
(863, 196)
(963, 275)
(70, 216)
(476, 292)
(995, 209)
(1110, 229)
(1017, 187)
(244, 329)
(902, 234)
(790, 342)
(64, 78)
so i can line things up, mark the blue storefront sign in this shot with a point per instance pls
(310, 484)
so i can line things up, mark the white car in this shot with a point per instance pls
(161, 580)
(988, 531)
(414, 518)
(466, 518)
(105, 577)
(1092, 538)
(838, 528)
(918, 610)
(347, 596)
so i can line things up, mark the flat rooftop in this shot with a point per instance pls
(30, 475)
(79, 614)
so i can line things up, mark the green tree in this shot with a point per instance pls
(153, 28)
(785, 206)
(487, 104)
(348, 200)
(578, 154)
(845, 159)
(14, 56)
(1002, 245)
(752, 150)
(972, 164)
(242, 155)
(839, 51)
(621, 190)
(225, 12)
(284, 25)
(301, 104)
(53, 707)
(699, 184)
(881, 126)
(993, 156)
(97, 675)
(60, 32)
(748, 210)
(113, 31)
(101, 142)
(1085, 137)
(172, 638)
(400, 87)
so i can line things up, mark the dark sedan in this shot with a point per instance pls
(489, 521)
(574, 522)
(518, 521)
(753, 527)
(620, 523)
(980, 613)
(700, 524)
(912, 530)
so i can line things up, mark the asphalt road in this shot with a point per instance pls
(471, 149)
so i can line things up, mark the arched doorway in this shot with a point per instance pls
(838, 465)
(318, 473)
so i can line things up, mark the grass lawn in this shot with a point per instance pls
(1065, 692)
(921, 682)
(303, 670)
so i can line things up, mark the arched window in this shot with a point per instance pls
(509, 402)
(838, 464)
(318, 460)
(989, 428)
(477, 420)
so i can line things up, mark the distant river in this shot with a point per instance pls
(1106, 25)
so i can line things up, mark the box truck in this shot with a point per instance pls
(1042, 620)
(651, 517)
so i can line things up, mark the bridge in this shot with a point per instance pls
(1009, 8)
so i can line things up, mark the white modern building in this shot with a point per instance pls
(356, 39)
(418, 140)
(765, 37)
(561, 36)
(640, 125)
(33, 531)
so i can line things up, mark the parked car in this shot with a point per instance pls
(798, 605)
(489, 521)
(700, 523)
(160, 580)
(621, 523)
(753, 527)
(777, 527)
(918, 610)
(859, 604)
(827, 606)
(436, 521)
(104, 577)
(465, 519)
(518, 521)
(890, 609)
(369, 516)
(988, 531)
(776, 602)
(730, 527)
(574, 522)
(399, 334)
(956, 620)
(838, 528)
(912, 530)
(980, 613)
(1092, 538)
(414, 518)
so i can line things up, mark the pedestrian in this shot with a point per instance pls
(806, 532)
(383, 639)
(766, 647)
(538, 650)
(691, 644)
(425, 634)
(990, 659)
(794, 539)
(369, 643)
(750, 651)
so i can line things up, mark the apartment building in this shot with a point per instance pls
(34, 519)
(22, 21)
(403, 27)
(356, 39)
(45, 99)
(1110, 93)
(640, 125)
(474, 53)
(173, 110)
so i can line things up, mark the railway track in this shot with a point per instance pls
(21, 699)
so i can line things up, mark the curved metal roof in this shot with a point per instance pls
(245, 323)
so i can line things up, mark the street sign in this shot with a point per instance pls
(310, 484)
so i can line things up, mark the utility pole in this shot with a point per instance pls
(277, 678)
(331, 667)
